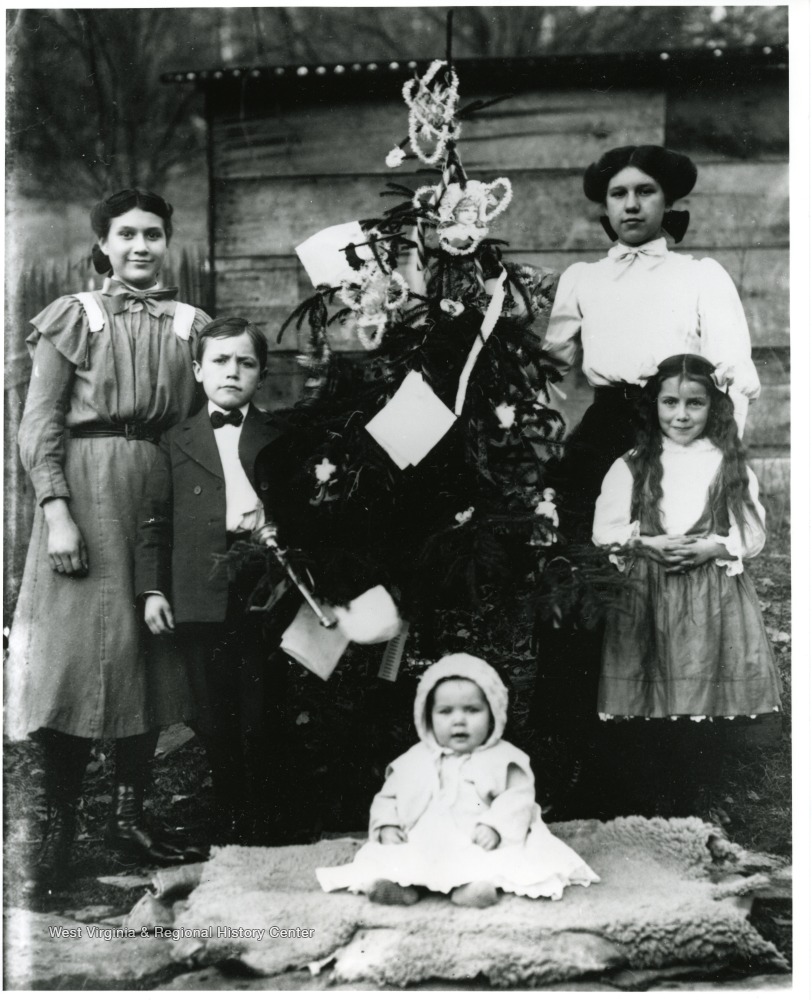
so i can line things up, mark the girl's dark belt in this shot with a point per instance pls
(132, 432)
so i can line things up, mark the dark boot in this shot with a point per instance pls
(65, 759)
(127, 831)
(51, 868)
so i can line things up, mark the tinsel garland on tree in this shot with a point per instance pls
(421, 287)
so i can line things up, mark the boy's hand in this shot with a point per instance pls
(486, 837)
(392, 835)
(158, 615)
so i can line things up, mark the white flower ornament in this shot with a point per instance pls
(395, 157)
(464, 516)
(506, 415)
(452, 307)
(325, 471)
(374, 295)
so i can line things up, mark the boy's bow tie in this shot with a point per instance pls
(219, 419)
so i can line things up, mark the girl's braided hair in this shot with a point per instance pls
(646, 463)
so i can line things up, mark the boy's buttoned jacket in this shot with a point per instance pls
(182, 526)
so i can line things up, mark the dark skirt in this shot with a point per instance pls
(687, 644)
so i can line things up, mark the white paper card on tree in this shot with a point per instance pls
(322, 253)
(318, 649)
(413, 421)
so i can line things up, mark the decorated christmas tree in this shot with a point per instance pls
(419, 459)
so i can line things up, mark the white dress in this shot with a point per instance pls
(440, 854)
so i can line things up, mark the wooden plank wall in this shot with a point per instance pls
(280, 175)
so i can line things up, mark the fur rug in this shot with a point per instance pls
(665, 898)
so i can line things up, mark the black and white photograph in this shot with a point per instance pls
(399, 553)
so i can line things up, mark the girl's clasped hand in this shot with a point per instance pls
(680, 553)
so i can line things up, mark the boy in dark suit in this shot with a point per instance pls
(202, 498)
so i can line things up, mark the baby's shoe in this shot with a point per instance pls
(391, 894)
(476, 894)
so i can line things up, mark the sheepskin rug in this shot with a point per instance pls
(664, 899)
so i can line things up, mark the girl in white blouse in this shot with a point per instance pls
(686, 640)
(624, 314)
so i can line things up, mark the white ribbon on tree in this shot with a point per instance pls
(492, 314)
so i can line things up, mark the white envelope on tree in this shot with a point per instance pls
(322, 257)
(413, 421)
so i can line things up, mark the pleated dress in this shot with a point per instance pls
(77, 650)
(687, 644)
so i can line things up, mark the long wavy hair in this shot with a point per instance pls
(645, 459)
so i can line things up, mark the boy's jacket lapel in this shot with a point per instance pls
(196, 439)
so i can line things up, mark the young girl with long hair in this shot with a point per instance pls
(111, 371)
(686, 641)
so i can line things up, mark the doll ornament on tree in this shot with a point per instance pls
(464, 212)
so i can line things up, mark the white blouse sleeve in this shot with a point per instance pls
(748, 543)
(612, 524)
(563, 336)
(725, 334)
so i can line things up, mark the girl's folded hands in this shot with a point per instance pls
(679, 553)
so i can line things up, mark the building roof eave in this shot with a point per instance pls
(628, 69)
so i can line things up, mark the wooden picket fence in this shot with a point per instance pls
(38, 285)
